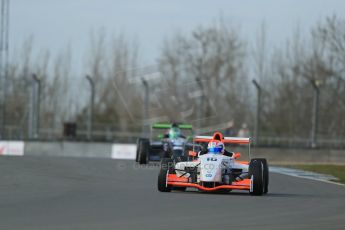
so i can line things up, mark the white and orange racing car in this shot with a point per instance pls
(216, 169)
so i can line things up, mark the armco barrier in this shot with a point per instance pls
(286, 155)
(127, 151)
(123, 151)
(12, 148)
(71, 149)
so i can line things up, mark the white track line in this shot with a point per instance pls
(305, 174)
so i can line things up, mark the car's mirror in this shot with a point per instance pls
(192, 154)
(237, 155)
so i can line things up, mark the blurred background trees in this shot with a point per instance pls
(209, 62)
(289, 84)
(203, 77)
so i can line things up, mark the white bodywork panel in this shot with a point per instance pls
(211, 167)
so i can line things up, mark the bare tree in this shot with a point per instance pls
(111, 62)
(211, 60)
(293, 70)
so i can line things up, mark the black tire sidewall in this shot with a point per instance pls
(165, 167)
(266, 173)
(138, 149)
(256, 169)
(144, 151)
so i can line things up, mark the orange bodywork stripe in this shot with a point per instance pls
(174, 178)
(242, 162)
(202, 140)
(235, 141)
(242, 182)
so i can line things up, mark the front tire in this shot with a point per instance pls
(144, 147)
(256, 174)
(166, 168)
(266, 173)
(138, 149)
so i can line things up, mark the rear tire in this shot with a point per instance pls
(144, 147)
(256, 174)
(165, 169)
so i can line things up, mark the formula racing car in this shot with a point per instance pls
(216, 169)
(173, 143)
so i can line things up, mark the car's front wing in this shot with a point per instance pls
(174, 180)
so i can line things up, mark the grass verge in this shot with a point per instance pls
(337, 171)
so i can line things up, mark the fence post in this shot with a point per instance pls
(315, 116)
(37, 105)
(146, 107)
(258, 112)
(91, 108)
(200, 111)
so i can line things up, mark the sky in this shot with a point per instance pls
(55, 24)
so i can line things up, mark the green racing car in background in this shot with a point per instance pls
(172, 141)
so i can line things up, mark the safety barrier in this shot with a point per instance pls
(12, 148)
(128, 151)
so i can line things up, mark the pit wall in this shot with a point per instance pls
(128, 151)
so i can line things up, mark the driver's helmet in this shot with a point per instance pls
(216, 147)
(174, 133)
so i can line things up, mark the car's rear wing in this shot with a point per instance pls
(168, 126)
(225, 140)
(230, 140)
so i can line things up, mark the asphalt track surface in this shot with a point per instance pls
(73, 193)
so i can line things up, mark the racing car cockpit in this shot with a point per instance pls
(217, 138)
(174, 132)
